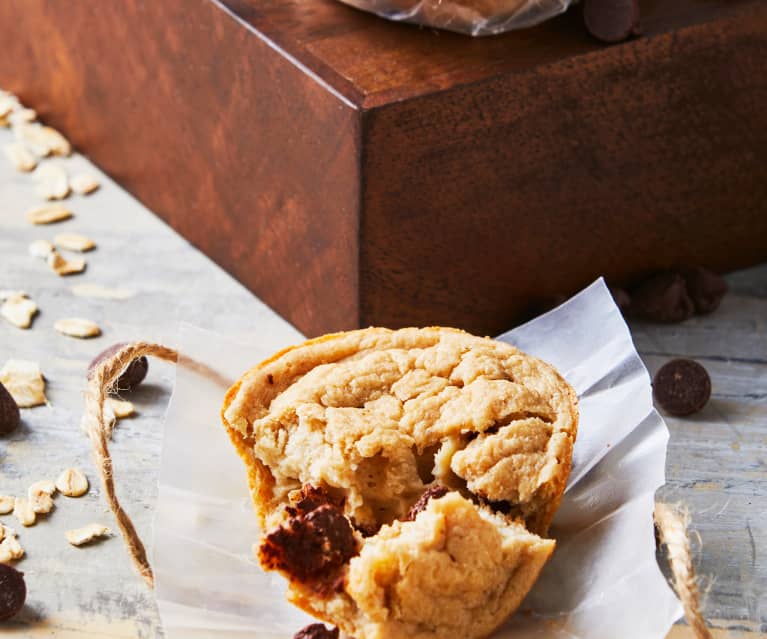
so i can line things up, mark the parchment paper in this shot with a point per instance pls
(603, 580)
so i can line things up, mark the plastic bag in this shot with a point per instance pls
(473, 17)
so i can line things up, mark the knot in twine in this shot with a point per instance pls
(670, 521)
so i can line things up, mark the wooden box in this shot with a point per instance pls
(352, 171)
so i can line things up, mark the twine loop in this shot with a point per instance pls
(102, 381)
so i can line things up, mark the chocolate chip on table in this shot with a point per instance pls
(9, 412)
(13, 591)
(611, 20)
(134, 373)
(705, 288)
(433, 492)
(682, 387)
(662, 298)
(316, 631)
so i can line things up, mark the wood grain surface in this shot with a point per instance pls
(411, 176)
(239, 148)
(374, 62)
(717, 462)
(527, 186)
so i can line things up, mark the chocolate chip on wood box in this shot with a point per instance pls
(354, 171)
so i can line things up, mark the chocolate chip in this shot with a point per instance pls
(366, 530)
(621, 298)
(433, 492)
(662, 298)
(13, 591)
(706, 289)
(312, 497)
(310, 547)
(611, 20)
(316, 631)
(681, 387)
(9, 412)
(504, 507)
(134, 373)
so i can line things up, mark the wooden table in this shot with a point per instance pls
(717, 459)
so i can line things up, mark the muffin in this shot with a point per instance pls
(405, 480)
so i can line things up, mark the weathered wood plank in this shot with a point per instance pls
(717, 462)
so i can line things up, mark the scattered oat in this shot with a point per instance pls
(52, 182)
(57, 143)
(72, 483)
(62, 266)
(42, 140)
(6, 505)
(8, 104)
(19, 311)
(23, 511)
(49, 214)
(24, 381)
(21, 158)
(40, 496)
(31, 135)
(21, 116)
(120, 408)
(43, 486)
(4, 123)
(84, 183)
(74, 242)
(41, 504)
(77, 327)
(40, 248)
(10, 549)
(102, 292)
(86, 534)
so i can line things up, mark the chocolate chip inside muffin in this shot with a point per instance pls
(435, 492)
(311, 546)
(316, 631)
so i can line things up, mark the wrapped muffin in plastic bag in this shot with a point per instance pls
(474, 17)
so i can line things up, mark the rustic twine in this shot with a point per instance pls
(101, 383)
(671, 521)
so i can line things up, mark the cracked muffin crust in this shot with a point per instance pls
(404, 478)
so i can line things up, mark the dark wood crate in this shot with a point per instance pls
(352, 171)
